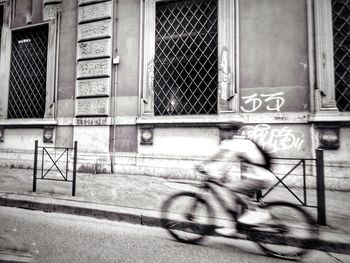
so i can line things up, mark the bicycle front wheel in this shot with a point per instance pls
(187, 217)
(288, 234)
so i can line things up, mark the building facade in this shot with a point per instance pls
(145, 85)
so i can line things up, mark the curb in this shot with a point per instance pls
(126, 214)
(9, 256)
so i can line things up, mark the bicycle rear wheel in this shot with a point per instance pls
(289, 233)
(187, 217)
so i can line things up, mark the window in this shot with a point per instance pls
(186, 57)
(185, 66)
(341, 38)
(27, 87)
(189, 62)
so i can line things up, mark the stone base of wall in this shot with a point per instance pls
(17, 159)
(174, 167)
(336, 176)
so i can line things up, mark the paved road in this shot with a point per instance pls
(55, 238)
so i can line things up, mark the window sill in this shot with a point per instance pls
(330, 117)
(187, 121)
(276, 117)
(28, 123)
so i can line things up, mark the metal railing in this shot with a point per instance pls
(54, 163)
(320, 188)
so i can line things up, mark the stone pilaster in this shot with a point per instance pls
(93, 76)
(94, 50)
(51, 12)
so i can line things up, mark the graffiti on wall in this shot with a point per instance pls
(274, 99)
(275, 139)
(271, 102)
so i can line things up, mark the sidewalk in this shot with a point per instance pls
(137, 199)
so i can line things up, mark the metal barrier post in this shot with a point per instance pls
(304, 183)
(321, 201)
(258, 195)
(35, 165)
(74, 167)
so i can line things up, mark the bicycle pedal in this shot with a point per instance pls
(241, 227)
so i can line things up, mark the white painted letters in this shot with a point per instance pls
(273, 102)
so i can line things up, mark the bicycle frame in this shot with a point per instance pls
(207, 185)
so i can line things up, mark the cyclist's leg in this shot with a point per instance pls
(248, 187)
(253, 215)
(244, 189)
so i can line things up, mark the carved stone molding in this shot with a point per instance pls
(149, 92)
(97, 121)
(50, 11)
(92, 106)
(94, 68)
(47, 2)
(225, 79)
(328, 136)
(95, 30)
(94, 49)
(94, 12)
(93, 87)
(146, 134)
(227, 37)
(48, 134)
(87, 2)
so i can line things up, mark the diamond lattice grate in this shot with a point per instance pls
(27, 89)
(341, 37)
(186, 60)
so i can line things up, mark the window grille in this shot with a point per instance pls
(27, 90)
(186, 60)
(341, 37)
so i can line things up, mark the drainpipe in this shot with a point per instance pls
(13, 10)
(114, 106)
(57, 56)
(140, 76)
(115, 63)
(140, 58)
(29, 13)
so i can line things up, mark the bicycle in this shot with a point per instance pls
(287, 235)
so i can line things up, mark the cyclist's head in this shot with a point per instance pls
(230, 128)
(233, 126)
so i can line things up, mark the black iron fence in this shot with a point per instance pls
(320, 187)
(53, 161)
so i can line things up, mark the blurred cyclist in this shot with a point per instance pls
(255, 172)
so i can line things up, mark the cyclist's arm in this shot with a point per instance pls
(216, 157)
